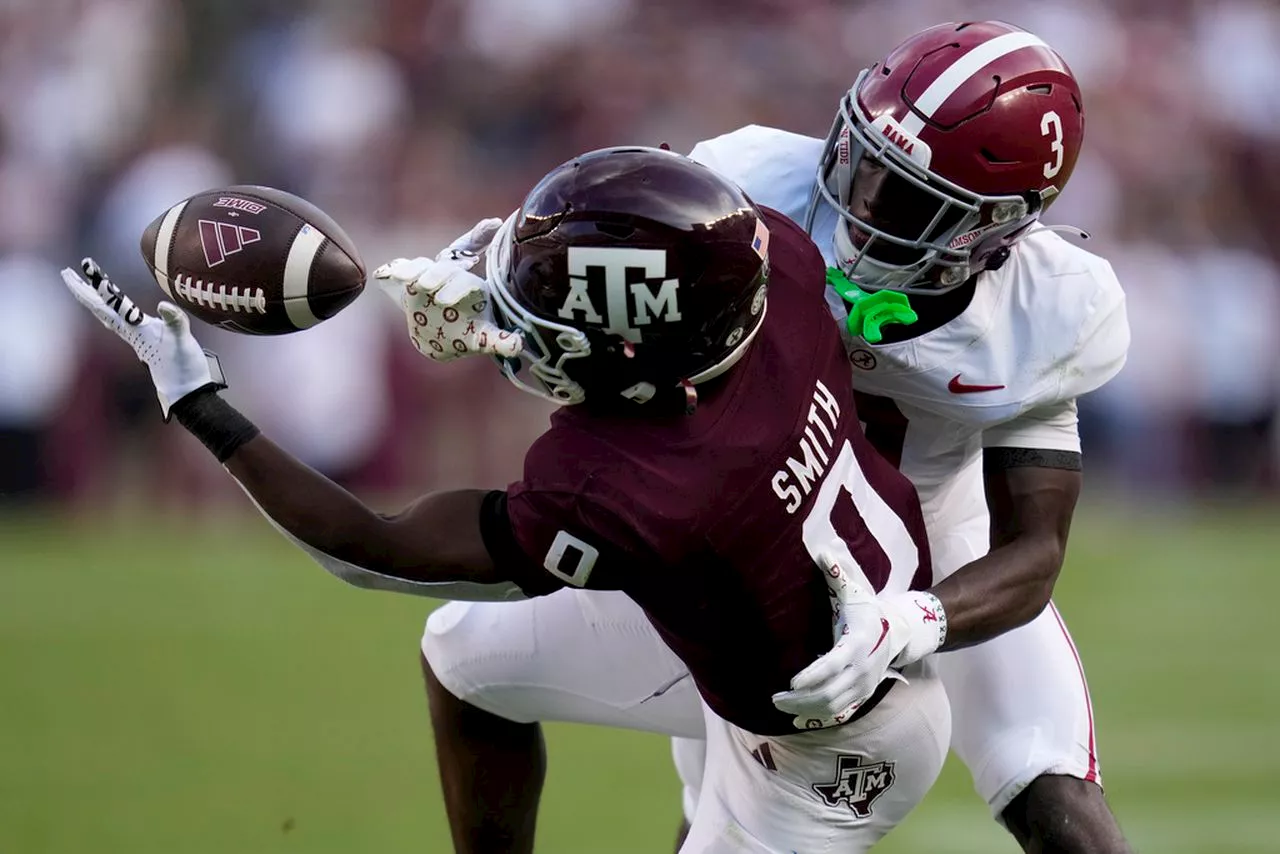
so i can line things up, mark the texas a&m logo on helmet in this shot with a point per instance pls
(632, 272)
(635, 285)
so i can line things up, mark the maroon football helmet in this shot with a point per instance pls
(629, 271)
(944, 153)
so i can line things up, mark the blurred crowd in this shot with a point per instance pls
(407, 120)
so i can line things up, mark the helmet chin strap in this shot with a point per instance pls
(997, 259)
(860, 267)
(959, 274)
(690, 397)
(643, 392)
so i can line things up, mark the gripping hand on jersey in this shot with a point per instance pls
(446, 306)
(164, 344)
(874, 636)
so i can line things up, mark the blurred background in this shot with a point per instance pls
(173, 678)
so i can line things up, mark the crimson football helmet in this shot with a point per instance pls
(629, 271)
(943, 154)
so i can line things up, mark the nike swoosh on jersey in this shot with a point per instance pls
(957, 387)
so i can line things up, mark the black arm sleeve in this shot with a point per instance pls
(996, 459)
(500, 541)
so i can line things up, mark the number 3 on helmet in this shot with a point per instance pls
(944, 153)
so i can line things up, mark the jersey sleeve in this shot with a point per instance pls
(731, 154)
(545, 539)
(1103, 341)
(776, 168)
(1095, 353)
(1053, 427)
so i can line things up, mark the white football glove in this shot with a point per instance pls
(446, 306)
(164, 344)
(875, 635)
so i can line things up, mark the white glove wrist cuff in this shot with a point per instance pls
(928, 625)
(940, 624)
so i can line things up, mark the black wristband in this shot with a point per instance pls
(217, 424)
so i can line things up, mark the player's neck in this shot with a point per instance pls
(932, 312)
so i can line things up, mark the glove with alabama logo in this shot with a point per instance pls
(445, 304)
(875, 635)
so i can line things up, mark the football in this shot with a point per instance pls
(253, 260)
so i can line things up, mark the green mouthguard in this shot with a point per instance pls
(869, 311)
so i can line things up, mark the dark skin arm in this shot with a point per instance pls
(1031, 510)
(436, 538)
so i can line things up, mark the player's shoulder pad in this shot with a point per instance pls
(1074, 304)
(774, 167)
(578, 482)
(576, 458)
(564, 458)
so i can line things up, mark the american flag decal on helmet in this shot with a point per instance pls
(760, 243)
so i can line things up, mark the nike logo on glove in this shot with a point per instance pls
(957, 387)
(884, 633)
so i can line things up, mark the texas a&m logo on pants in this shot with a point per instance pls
(856, 785)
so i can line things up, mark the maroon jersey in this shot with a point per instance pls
(711, 522)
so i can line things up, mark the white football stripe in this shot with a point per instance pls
(961, 70)
(297, 272)
(164, 240)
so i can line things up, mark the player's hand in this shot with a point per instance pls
(831, 689)
(445, 305)
(164, 344)
(874, 635)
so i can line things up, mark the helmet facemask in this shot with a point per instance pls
(902, 226)
(549, 347)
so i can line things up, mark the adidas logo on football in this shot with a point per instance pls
(220, 239)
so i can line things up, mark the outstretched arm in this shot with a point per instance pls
(434, 547)
(436, 538)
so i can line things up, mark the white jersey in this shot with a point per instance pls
(1045, 328)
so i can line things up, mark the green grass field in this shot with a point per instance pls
(183, 687)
